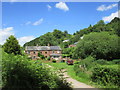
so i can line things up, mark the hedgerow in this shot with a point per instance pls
(106, 75)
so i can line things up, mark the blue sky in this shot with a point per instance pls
(28, 20)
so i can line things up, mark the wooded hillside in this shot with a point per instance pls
(57, 37)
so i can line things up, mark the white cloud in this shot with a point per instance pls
(38, 22)
(27, 23)
(49, 7)
(110, 17)
(23, 40)
(5, 33)
(105, 8)
(62, 6)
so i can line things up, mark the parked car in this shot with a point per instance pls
(69, 62)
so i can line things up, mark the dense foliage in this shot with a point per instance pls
(68, 52)
(53, 38)
(106, 75)
(99, 45)
(12, 46)
(18, 73)
(101, 72)
(113, 27)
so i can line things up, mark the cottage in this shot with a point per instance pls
(48, 51)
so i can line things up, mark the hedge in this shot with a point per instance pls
(107, 75)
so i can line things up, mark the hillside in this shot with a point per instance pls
(57, 37)
(53, 38)
(112, 27)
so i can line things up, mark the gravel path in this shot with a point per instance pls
(75, 83)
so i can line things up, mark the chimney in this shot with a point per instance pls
(48, 44)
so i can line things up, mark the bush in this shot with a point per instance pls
(48, 58)
(83, 67)
(107, 75)
(103, 62)
(63, 61)
(18, 73)
(54, 61)
(76, 62)
(86, 63)
(116, 61)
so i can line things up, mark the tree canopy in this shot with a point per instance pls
(12, 46)
(100, 45)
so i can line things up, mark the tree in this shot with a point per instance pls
(100, 45)
(12, 46)
(66, 32)
(101, 22)
(57, 33)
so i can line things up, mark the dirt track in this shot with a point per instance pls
(75, 83)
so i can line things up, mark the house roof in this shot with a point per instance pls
(75, 43)
(42, 48)
(66, 40)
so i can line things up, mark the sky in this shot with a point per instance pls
(28, 20)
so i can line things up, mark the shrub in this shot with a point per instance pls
(48, 58)
(18, 73)
(83, 67)
(116, 61)
(54, 61)
(103, 62)
(107, 75)
(63, 61)
(76, 62)
(86, 63)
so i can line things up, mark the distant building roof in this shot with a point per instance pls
(42, 48)
(76, 43)
(66, 40)
(81, 37)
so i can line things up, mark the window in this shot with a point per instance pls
(34, 52)
(45, 52)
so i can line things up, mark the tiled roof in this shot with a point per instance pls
(42, 48)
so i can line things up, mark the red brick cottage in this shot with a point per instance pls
(48, 51)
